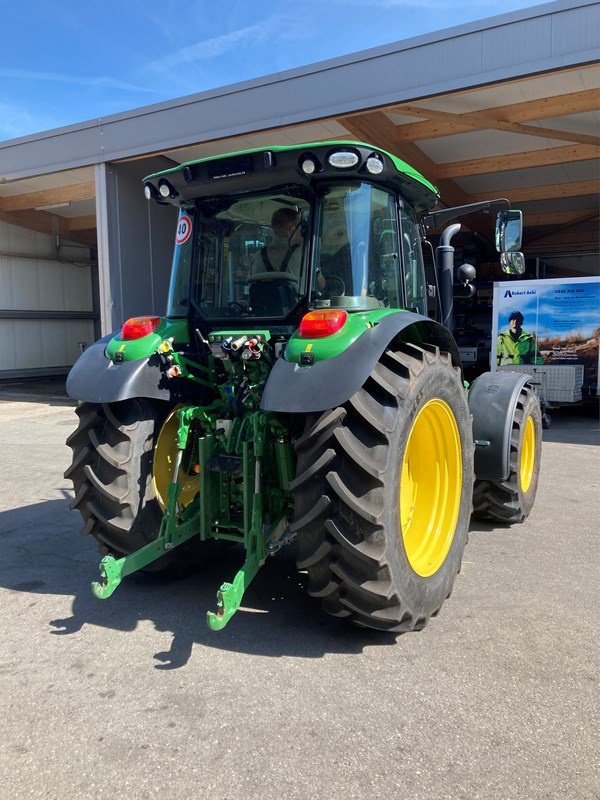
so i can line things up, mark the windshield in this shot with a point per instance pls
(249, 259)
(357, 248)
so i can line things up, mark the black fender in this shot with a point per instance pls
(95, 379)
(329, 383)
(492, 400)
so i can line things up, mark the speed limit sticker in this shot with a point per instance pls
(184, 229)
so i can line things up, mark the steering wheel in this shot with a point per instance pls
(336, 281)
(235, 306)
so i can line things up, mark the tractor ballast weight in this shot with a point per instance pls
(310, 400)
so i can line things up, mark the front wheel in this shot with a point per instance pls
(383, 492)
(512, 500)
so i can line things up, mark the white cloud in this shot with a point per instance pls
(252, 35)
(57, 77)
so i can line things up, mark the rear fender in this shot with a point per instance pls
(94, 378)
(329, 383)
(492, 401)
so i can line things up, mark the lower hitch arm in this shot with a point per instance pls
(229, 596)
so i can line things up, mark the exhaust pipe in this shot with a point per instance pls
(444, 260)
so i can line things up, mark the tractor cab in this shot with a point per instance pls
(267, 236)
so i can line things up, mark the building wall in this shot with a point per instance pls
(40, 297)
(135, 243)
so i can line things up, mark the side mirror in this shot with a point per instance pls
(509, 230)
(512, 263)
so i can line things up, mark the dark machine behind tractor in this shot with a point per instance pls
(304, 386)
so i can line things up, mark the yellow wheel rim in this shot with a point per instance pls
(430, 487)
(527, 459)
(165, 453)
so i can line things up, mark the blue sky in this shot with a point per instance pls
(63, 62)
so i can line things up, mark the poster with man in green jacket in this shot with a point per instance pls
(516, 346)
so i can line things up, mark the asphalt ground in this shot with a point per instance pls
(133, 697)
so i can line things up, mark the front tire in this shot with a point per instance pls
(512, 500)
(382, 511)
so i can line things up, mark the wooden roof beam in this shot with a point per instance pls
(590, 238)
(508, 118)
(48, 197)
(526, 160)
(522, 195)
(560, 105)
(587, 217)
(556, 217)
(50, 224)
(86, 223)
(39, 221)
(375, 127)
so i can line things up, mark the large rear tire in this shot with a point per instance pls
(113, 448)
(383, 492)
(512, 500)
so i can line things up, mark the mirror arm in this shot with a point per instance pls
(436, 218)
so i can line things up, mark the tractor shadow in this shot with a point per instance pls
(43, 554)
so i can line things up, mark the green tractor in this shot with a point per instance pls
(304, 386)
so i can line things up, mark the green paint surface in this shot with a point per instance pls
(329, 346)
(134, 349)
(401, 166)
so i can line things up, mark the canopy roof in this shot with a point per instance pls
(261, 168)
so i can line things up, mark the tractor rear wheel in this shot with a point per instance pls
(513, 499)
(112, 467)
(383, 492)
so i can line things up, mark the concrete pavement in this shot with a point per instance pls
(134, 697)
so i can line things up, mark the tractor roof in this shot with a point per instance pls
(270, 167)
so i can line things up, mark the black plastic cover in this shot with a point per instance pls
(305, 389)
(95, 379)
(492, 401)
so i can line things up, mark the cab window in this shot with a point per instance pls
(412, 260)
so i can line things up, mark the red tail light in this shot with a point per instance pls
(136, 327)
(324, 322)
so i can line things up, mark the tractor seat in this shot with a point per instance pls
(272, 298)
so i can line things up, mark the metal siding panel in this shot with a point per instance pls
(26, 293)
(454, 58)
(77, 331)
(8, 356)
(39, 344)
(133, 242)
(27, 344)
(162, 223)
(51, 285)
(580, 25)
(6, 300)
(14, 239)
(77, 288)
(505, 45)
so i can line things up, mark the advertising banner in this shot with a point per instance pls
(548, 322)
